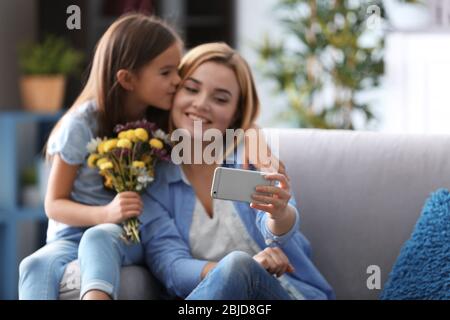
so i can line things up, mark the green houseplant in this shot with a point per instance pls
(44, 67)
(321, 65)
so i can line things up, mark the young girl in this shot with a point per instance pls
(200, 248)
(133, 75)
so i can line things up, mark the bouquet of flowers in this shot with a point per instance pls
(127, 161)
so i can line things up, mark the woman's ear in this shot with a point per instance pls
(125, 79)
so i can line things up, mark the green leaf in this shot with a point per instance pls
(52, 56)
(321, 50)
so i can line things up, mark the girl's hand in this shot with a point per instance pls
(273, 199)
(274, 261)
(125, 205)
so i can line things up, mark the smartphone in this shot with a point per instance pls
(236, 184)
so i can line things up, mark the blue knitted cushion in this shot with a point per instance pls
(422, 270)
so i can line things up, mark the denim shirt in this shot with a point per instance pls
(166, 221)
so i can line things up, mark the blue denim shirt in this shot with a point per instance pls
(166, 221)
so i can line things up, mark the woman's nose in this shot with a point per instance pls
(201, 102)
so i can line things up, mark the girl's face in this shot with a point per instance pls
(155, 83)
(209, 95)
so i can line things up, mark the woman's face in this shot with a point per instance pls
(209, 95)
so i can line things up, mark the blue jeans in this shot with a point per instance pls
(101, 254)
(41, 272)
(239, 277)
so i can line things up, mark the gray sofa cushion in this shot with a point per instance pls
(360, 194)
(137, 283)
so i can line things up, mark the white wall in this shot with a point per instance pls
(18, 21)
(417, 83)
(255, 18)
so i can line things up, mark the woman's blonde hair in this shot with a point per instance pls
(219, 52)
(131, 42)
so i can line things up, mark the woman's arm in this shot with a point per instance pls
(258, 153)
(281, 215)
(166, 253)
(281, 225)
(60, 207)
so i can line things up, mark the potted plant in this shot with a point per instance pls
(44, 68)
(30, 190)
(322, 66)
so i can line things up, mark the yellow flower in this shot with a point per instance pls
(124, 143)
(110, 144)
(122, 135)
(141, 134)
(105, 166)
(156, 143)
(138, 164)
(108, 182)
(91, 161)
(130, 135)
(101, 161)
(101, 147)
(146, 158)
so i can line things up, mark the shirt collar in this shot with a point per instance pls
(175, 172)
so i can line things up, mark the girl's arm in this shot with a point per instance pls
(60, 207)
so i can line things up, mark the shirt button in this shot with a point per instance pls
(269, 241)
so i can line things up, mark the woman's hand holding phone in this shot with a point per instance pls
(273, 199)
(240, 185)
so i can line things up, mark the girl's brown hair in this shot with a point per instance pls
(130, 42)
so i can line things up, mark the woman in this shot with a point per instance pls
(202, 248)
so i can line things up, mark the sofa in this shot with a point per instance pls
(359, 193)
